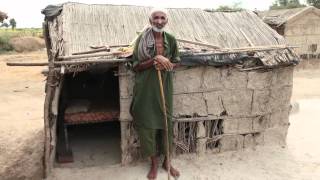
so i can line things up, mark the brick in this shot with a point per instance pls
(259, 80)
(187, 80)
(245, 125)
(280, 98)
(231, 142)
(248, 141)
(260, 123)
(212, 78)
(234, 79)
(189, 104)
(279, 118)
(261, 102)
(276, 136)
(230, 126)
(284, 76)
(214, 102)
(258, 138)
(237, 102)
(253, 139)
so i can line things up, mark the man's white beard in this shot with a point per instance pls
(157, 29)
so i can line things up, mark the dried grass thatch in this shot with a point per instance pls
(80, 26)
(281, 16)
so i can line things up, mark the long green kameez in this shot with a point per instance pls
(146, 106)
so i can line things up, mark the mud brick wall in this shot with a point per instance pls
(252, 106)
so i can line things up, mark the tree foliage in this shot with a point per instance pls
(3, 16)
(226, 8)
(13, 23)
(6, 25)
(315, 3)
(286, 4)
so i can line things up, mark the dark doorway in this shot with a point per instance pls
(88, 126)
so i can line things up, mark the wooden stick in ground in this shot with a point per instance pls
(164, 109)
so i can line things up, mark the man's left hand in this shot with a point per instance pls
(163, 63)
(158, 66)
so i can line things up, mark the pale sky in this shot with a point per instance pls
(28, 12)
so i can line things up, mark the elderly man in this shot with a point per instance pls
(154, 50)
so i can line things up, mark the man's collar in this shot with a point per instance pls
(165, 40)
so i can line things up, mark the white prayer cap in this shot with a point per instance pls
(158, 9)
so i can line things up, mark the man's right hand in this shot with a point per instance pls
(165, 62)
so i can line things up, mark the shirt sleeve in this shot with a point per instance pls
(135, 60)
(175, 51)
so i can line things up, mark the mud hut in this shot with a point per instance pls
(300, 27)
(232, 92)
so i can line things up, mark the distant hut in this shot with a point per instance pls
(300, 27)
(232, 92)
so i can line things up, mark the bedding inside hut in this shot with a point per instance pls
(91, 96)
(87, 97)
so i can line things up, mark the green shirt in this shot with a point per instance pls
(146, 104)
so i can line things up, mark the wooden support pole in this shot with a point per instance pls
(258, 48)
(27, 64)
(91, 55)
(90, 61)
(70, 62)
(92, 51)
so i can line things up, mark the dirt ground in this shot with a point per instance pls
(21, 137)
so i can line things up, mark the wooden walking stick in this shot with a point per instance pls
(164, 109)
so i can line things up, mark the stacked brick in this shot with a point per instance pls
(253, 106)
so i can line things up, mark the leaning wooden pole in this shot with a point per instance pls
(165, 119)
(49, 90)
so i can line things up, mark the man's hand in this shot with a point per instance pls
(158, 66)
(162, 62)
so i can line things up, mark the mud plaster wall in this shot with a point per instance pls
(254, 106)
(305, 33)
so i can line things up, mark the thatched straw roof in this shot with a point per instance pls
(281, 16)
(80, 26)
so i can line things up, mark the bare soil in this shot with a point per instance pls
(21, 117)
(21, 138)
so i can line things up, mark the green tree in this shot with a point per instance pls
(315, 3)
(3, 16)
(6, 25)
(226, 8)
(286, 4)
(13, 23)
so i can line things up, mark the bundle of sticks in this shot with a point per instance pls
(120, 53)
